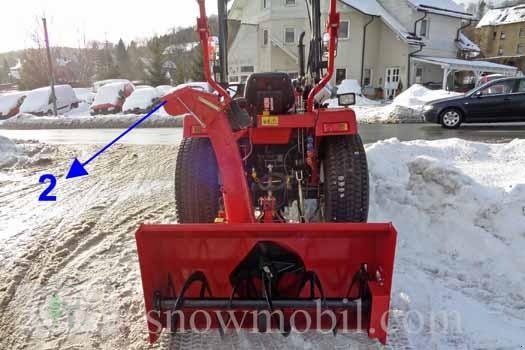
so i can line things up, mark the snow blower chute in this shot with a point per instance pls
(272, 201)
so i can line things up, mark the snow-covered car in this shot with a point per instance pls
(163, 89)
(110, 98)
(10, 103)
(98, 84)
(39, 101)
(141, 100)
(139, 87)
(85, 95)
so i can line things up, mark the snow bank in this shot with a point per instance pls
(349, 86)
(459, 208)
(417, 96)
(9, 153)
(72, 120)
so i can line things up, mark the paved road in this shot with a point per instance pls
(495, 133)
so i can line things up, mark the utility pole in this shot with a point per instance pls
(50, 66)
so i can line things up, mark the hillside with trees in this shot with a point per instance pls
(167, 59)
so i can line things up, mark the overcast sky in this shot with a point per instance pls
(68, 20)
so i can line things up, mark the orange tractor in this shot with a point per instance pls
(272, 203)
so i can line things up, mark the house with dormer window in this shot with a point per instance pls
(386, 45)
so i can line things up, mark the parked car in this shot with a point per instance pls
(141, 100)
(98, 84)
(501, 100)
(39, 101)
(10, 103)
(85, 95)
(110, 98)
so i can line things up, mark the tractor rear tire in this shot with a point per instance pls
(197, 190)
(346, 187)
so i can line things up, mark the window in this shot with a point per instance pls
(521, 49)
(265, 37)
(503, 36)
(244, 78)
(419, 75)
(344, 30)
(265, 4)
(500, 51)
(504, 87)
(494, 35)
(289, 2)
(423, 28)
(247, 69)
(289, 35)
(367, 79)
(234, 79)
(522, 32)
(340, 75)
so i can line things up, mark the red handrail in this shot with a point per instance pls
(332, 27)
(204, 35)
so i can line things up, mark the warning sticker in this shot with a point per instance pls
(270, 120)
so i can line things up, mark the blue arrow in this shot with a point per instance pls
(78, 169)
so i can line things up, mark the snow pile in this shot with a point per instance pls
(417, 96)
(459, 208)
(9, 152)
(9, 101)
(349, 86)
(141, 99)
(503, 16)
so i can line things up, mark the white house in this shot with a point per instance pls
(379, 41)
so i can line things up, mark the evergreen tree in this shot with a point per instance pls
(155, 73)
(122, 60)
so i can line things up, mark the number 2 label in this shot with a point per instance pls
(45, 197)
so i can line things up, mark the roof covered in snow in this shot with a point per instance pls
(374, 8)
(442, 7)
(501, 16)
(457, 64)
(465, 44)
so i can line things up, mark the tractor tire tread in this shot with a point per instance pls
(346, 180)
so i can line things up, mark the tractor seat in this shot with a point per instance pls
(275, 88)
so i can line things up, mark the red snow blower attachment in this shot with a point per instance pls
(272, 201)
